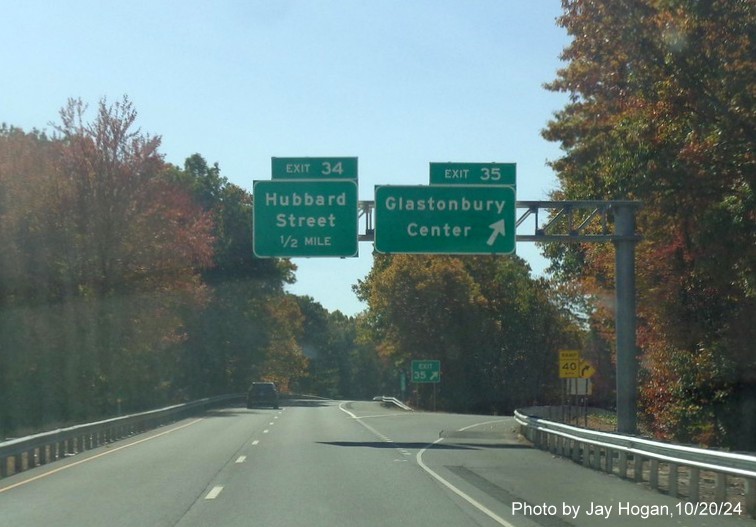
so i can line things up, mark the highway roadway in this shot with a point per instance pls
(322, 463)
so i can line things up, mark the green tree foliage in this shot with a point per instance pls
(99, 252)
(339, 364)
(494, 329)
(248, 329)
(662, 110)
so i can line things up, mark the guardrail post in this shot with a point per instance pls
(637, 468)
(750, 496)
(622, 468)
(609, 461)
(720, 490)
(694, 484)
(653, 474)
(673, 480)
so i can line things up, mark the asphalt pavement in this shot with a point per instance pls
(332, 463)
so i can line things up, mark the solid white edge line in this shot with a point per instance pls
(419, 458)
(341, 407)
(482, 508)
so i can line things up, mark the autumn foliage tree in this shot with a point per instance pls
(127, 282)
(495, 330)
(248, 329)
(662, 110)
(100, 250)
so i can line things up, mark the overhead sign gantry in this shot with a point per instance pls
(311, 209)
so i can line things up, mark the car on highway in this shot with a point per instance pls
(262, 394)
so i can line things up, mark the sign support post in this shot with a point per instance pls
(625, 320)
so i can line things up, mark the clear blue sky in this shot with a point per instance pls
(396, 83)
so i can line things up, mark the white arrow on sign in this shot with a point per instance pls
(498, 228)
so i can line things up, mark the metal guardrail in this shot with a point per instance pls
(395, 401)
(608, 451)
(17, 455)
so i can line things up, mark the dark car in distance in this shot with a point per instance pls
(262, 394)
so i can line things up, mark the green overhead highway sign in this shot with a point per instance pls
(426, 371)
(314, 168)
(473, 173)
(450, 219)
(305, 218)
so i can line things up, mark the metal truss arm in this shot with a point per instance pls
(566, 221)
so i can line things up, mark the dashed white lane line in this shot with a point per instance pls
(214, 492)
(241, 459)
(255, 442)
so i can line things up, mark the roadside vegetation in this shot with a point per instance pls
(662, 111)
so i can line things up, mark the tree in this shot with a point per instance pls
(103, 253)
(339, 365)
(530, 328)
(238, 335)
(495, 330)
(26, 165)
(661, 110)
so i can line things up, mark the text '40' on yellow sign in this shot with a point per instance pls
(569, 364)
